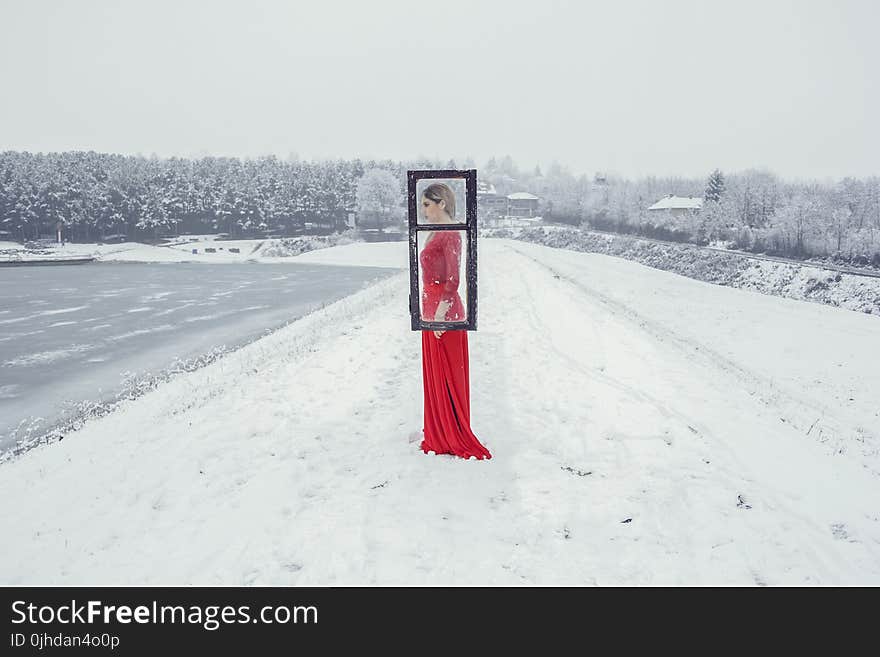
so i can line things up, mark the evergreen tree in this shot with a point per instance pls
(715, 187)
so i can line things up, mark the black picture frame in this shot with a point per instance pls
(469, 226)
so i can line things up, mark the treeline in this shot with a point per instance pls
(94, 195)
(751, 210)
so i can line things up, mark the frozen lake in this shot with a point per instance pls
(70, 333)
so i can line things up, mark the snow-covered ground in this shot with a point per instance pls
(646, 428)
(807, 282)
(192, 248)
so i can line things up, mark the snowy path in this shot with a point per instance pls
(677, 436)
(636, 440)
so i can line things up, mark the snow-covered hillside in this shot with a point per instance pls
(808, 281)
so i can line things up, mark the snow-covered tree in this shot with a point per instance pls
(714, 187)
(379, 197)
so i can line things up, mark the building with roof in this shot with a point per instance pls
(522, 204)
(490, 204)
(678, 205)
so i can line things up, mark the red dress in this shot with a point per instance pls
(445, 360)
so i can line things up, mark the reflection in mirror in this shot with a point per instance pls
(442, 265)
(441, 200)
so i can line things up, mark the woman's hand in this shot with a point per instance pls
(440, 315)
(442, 308)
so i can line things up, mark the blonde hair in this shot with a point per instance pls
(440, 192)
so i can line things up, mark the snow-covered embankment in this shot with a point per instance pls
(646, 429)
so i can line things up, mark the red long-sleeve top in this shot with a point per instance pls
(440, 262)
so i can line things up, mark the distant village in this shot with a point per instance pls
(523, 208)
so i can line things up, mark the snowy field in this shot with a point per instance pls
(805, 281)
(195, 248)
(647, 429)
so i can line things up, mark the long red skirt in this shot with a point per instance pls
(447, 396)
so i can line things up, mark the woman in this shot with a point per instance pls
(447, 427)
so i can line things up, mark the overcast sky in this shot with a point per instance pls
(634, 88)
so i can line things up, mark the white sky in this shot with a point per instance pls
(634, 88)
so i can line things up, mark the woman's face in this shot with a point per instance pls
(433, 211)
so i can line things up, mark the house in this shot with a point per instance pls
(522, 204)
(678, 205)
(490, 204)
